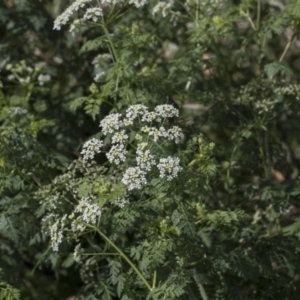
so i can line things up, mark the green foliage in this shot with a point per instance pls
(227, 227)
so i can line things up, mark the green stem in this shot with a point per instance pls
(258, 14)
(262, 153)
(111, 45)
(247, 15)
(104, 254)
(122, 254)
(287, 47)
(154, 279)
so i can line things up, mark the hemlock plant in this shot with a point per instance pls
(113, 187)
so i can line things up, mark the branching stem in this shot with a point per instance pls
(122, 254)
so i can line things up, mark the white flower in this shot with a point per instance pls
(90, 148)
(145, 129)
(167, 111)
(157, 133)
(117, 154)
(150, 116)
(42, 79)
(76, 24)
(99, 59)
(121, 202)
(93, 14)
(54, 226)
(163, 7)
(141, 146)
(56, 235)
(175, 133)
(17, 110)
(64, 18)
(169, 167)
(145, 160)
(111, 123)
(88, 211)
(98, 76)
(77, 253)
(138, 3)
(133, 112)
(134, 178)
(119, 137)
(24, 80)
(138, 137)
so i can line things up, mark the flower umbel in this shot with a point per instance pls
(169, 167)
(145, 160)
(175, 133)
(167, 111)
(117, 154)
(134, 178)
(64, 18)
(89, 211)
(119, 137)
(93, 14)
(111, 123)
(90, 148)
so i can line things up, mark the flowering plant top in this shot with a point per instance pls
(149, 131)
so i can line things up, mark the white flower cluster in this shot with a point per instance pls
(43, 78)
(133, 112)
(85, 212)
(89, 211)
(93, 14)
(77, 253)
(76, 24)
(56, 234)
(90, 148)
(145, 160)
(157, 133)
(167, 111)
(138, 3)
(117, 154)
(163, 7)
(266, 105)
(119, 137)
(64, 18)
(101, 58)
(169, 167)
(113, 124)
(134, 178)
(175, 133)
(90, 14)
(150, 117)
(99, 76)
(17, 110)
(121, 202)
(55, 228)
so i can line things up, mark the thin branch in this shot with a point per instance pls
(287, 47)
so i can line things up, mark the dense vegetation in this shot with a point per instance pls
(149, 149)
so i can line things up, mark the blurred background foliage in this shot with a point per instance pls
(232, 69)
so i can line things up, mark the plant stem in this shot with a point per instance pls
(201, 288)
(111, 45)
(87, 254)
(287, 47)
(247, 15)
(122, 254)
(154, 279)
(258, 14)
